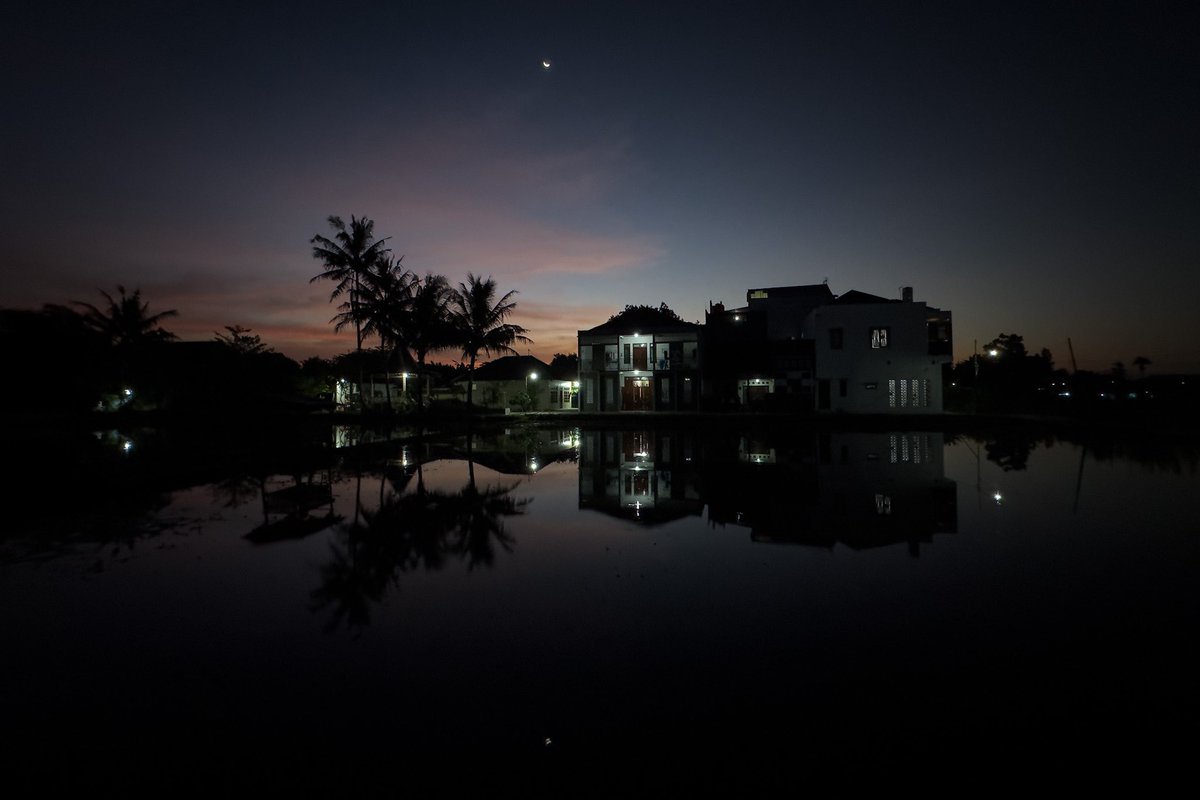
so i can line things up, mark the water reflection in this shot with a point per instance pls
(621, 604)
(292, 512)
(858, 489)
(413, 528)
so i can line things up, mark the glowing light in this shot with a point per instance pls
(546, 65)
(993, 352)
(127, 446)
(997, 497)
(533, 376)
(128, 392)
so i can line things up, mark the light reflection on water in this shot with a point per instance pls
(816, 592)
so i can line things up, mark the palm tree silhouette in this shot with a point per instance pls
(347, 258)
(428, 324)
(383, 309)
(126, 323)
(479, 320)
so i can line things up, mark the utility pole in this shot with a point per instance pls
(975, 383)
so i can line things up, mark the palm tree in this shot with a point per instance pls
(1141, 362)
(386, 292)
(126, 323)
(479, 323)
(347, 258)
(428, 325)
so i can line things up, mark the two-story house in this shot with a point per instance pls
(642, 359)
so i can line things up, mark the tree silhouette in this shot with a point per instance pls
(479, 321)
(128, 327)
(1141, 362)
(126, 322)
(241, 341)
(384, 307)
(428, 325)
(347, 258)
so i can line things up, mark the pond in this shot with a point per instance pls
(790, 604)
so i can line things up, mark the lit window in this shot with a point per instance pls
(879, 337)
(891, 393)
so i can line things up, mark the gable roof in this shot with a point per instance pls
(855, 297)
(510, 368)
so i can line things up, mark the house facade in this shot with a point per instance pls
(520, 383)
(875, 355)
(643, 359)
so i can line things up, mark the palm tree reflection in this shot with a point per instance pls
(409, 531)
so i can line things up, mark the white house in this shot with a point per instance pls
(879, 356)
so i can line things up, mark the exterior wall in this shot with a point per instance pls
(375, 392)
(886, 363)
(639, 372)
(560, 395)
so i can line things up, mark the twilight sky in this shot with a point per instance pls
(1034, 168)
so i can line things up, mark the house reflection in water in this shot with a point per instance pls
(650, 476)
(862, 490)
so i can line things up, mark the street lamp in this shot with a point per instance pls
(532, 402)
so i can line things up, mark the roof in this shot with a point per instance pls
(855, 297)
(510, 368)
(642, 320)
(818, 291)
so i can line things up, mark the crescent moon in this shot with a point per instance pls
(545, 63)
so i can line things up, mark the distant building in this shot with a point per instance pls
(506, 382)
(643, 359)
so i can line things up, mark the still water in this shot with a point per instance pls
(806, 605)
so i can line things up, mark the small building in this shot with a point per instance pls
(563, 385)
(519, 383)
(642, 359)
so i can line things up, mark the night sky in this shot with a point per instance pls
(1034, 168)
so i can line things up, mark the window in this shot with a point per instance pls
(589, 390)
(664, 390)
(626, 355)
(835, 338)
(903, 393)
(610, 356)
(891, 393)
(880, 337)
(585, 357)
